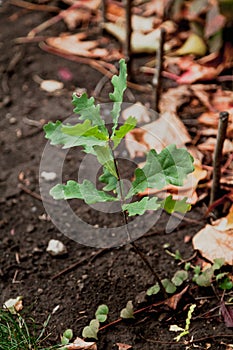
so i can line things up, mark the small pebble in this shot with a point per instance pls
(48, 176)
(56, 248)
(12, 120)
(30, 228)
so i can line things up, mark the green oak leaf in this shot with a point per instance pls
(102, 313)
(84, 129)
(120, 84)
(88, 111)
(171, 205)
(105, 157)
(69, 191)
(179, 277)
(153, 290)
(127, 312)
(110, 180)
(85, 191)
(141, 206)
(170, 166)
(129, 124)
(53, 132)
(169, 286)
(91, 330)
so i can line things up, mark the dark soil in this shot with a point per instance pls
(114, 276)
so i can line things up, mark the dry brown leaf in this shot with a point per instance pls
(174, 300)
(122, 346)
(75, 44)
(209, 145)
(174, 98)
(140, 112)
(155, 7)
(140, 42)
(90, 4)
(80, 344)
(213, 243)
(167, 129)
(75, 17)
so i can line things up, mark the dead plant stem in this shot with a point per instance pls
(222, 128)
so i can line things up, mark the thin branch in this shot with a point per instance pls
(93, 256)
(222, 129)
(34, 7)
(128, 53)
(133, 244)
(156, 82)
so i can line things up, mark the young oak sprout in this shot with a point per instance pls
(170, 166)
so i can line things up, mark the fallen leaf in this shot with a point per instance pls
(193, 45)
(214, 21)
(140, 42)
(122, 346)
(173, 301)
(80, 344)
(140, 112)
(14, 305)
(155, 7)
(75, 17)
(75, 44)
(227, 313)
(167, 129)
(209, 145)
(214, 243)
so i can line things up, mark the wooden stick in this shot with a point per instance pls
(156, 82)
(222, 129)
(34, 7)
(53, 20)
(128, 20)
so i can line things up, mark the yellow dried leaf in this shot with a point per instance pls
(193, 45)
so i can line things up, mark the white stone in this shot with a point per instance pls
(48, 176)
(56, 248)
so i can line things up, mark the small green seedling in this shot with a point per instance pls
(213, 274)
(66, 337)
(127, 312)
(92, 329)
(184, 331)
(102, 313)
(170, 166)
(170, 285)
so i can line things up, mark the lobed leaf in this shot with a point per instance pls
(88, 111)
(53, 132)
(84, 129)
(120, 84)
(110, 180)
(129, 124)
(105, 157)
(140, 207)
(85, 191)
(171, 205)
(170, 166)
